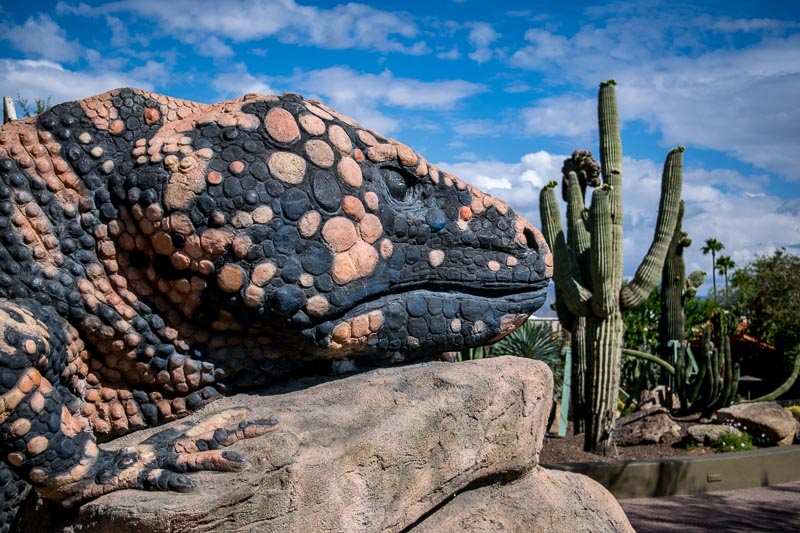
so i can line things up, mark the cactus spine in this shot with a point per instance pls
(588, 268)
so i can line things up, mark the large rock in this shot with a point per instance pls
(709, 434)
(778, 425)
(379, 451)
(541, 501)
(645, 427)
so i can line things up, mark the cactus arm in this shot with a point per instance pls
(601, 265)
(693, 389)
(611, 167)
(784, 387)
(634, 293)
(610, 142)
(576, 296)
(693, 282)
(578, 237)
(727, 372)
(650, 357)
(734, 386)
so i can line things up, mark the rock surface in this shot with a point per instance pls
(542, 501)
(379, 451)
(709, 434)
(769, 418)
(658, 397)
(645, 427)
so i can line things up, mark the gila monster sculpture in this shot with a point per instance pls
(156, 253)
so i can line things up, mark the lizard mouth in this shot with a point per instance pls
(419, 321)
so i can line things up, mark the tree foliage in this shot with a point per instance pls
(641, 324)
(40, 105)
(713, 246)
(725, 266)
(768, 291)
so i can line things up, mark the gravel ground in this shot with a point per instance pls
(569, 449)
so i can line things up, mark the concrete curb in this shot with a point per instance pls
(693, 475)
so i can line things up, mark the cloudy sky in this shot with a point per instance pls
(497, 92)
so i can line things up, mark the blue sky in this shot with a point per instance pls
(497, 92)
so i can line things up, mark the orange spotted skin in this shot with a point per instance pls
(156, 253)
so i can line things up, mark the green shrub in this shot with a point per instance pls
(731, 442)
(535, 340)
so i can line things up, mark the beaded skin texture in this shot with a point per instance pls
(156, 253)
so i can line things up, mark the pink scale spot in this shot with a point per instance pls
(236, 167)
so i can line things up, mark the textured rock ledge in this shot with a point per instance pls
(386, 450)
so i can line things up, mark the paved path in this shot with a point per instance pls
(768, 509)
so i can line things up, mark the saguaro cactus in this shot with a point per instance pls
(715, 384)
(676, 288)
(587, 171)
(588, 269)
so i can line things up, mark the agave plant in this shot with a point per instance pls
(535, 340)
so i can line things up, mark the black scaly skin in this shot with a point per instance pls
(157, 253)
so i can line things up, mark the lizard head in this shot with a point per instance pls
(280, 215)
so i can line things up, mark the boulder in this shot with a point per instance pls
(794, 410)
(380, 451)
(709, 434)
(650, 426)
(768, 418)
(658, 397)
(542, 501)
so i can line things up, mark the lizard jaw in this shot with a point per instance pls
(423, 322)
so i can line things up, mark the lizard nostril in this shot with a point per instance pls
(530, 239)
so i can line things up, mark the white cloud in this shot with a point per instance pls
(481, 36)
(451, 54)
(42, 79)
(363, 96)
(710, 212)
(239, 82)
(42, 38)
(344, 86)
(517, 183)
(545, 47)
(349, 25)
(730, 25)
(213, 47)
(561, 116)
(517, 87)
(733, 99)
(771, 222)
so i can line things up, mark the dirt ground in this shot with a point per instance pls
(569, 449)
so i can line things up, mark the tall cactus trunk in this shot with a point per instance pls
(672, 324)
(605, 341)
(580, 369)
(588, 263)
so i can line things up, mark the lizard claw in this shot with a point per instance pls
(160, 479)
(161, 461)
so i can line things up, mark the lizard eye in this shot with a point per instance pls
(402, 185)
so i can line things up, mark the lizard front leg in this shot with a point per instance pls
(49, 445)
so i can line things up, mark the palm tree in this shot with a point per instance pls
(713, 246)
(724, 264)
